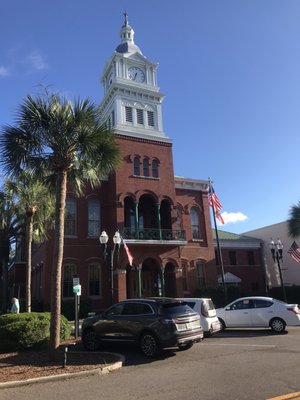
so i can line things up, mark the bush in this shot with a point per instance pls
(28, 330)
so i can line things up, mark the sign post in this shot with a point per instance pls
(77, 294)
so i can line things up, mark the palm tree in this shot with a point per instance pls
(294, 221)
(65, 140)
(36, 205)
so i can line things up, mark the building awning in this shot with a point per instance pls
(229, 278)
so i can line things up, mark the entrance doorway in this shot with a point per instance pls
(151, 279)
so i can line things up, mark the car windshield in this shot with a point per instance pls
(175, 308)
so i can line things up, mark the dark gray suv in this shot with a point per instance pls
(153, 324)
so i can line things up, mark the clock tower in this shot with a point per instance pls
(132, 100)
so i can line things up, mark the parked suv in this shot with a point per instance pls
(153, 324)
(205, 307)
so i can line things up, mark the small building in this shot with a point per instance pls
(243, 263)
(289, 267)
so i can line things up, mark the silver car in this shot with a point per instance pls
(259, 312)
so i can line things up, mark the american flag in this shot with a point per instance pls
(294, 251)
(129, 255)
(215, 203)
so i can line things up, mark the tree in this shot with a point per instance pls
(66, 141)
(8, 230)
(294, 221)
(35, 204)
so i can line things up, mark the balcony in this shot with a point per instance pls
(155, 236)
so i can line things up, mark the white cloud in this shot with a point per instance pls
(233, 217)
(36, 60)
(3, 72)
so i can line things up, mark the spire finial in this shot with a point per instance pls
(126, 18)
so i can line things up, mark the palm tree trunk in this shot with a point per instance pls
(61, 189)
(4, 259)
(29, 233)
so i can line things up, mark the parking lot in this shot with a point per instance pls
(235, 365)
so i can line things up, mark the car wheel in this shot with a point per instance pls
(149, 344)
(185, 346)
(90, 340)
(223, 325)
(208, 334)
(277, 325)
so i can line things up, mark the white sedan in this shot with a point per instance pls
(260, 312)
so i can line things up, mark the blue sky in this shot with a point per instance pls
(230, 70)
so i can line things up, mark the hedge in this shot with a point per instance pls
(28, 330)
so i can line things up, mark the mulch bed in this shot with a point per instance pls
(32, 364)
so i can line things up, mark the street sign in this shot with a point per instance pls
(76, 281)
(77, 290)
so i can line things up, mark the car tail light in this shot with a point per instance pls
(204, 310)
(294, 310)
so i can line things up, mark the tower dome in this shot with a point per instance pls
(127, 44)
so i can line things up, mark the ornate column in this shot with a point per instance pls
(158, 220)
(139, 281)
(162, 280)
(136, 219)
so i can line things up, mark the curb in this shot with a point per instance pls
(53, 378)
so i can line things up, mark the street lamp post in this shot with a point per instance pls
(276, 250)
(117, 241)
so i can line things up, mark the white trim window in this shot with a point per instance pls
(69, 271)
(150, 117)
(94, 280)
(195, 224)
(71, 217)
(201, 274)
(93, 218)
(128, 114)
(139, 116)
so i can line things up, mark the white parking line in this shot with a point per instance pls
(238, 345)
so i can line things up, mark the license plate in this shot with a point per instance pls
(188, 325)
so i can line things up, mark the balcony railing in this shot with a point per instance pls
(154, 234)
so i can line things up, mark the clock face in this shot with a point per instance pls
(136, 74)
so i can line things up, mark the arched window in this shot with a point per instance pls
(71, 217)
(185, 282)
(68, 275)
(93, 217)
(94, 279)
(201, 274)
(146, 167)
(136, 166)
(155, 169)
(195, 225)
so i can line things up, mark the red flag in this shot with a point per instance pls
(294, 251)
(129, 255)
(215, 203)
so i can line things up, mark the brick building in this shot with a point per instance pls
(243, 262)
(165, 220)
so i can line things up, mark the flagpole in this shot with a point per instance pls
(219, 249)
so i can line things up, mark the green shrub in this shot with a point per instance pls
(28, 330)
